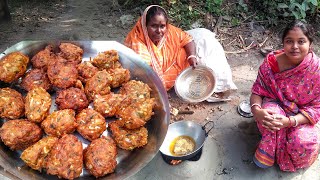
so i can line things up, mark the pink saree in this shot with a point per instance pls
(288, 93)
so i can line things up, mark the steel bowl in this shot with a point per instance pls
(244, 109)
(195, 84)
(129, 162)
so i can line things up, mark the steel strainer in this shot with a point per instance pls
(195, 85)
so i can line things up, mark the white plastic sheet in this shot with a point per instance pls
(211, 54)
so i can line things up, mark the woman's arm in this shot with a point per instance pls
(190, 49)
(274, 122)
(264, 116)
(255, 103)
(299, 119)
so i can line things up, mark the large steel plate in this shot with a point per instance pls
(129, 162)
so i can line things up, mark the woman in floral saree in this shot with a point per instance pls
(285, 102)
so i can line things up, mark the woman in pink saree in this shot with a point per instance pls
(285, 102)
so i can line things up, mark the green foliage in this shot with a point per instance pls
(275, 10)
(213, 6)
(182, 12)
(235, 21)
(299, 9)
(265, 10)
(134, 3)
(243, 7)
(185, 12)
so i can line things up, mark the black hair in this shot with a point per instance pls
(298, 24)
(155, 10)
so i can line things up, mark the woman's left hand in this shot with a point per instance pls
(271, 124)
(275, 122)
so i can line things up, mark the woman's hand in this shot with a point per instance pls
(193, 61)
(267, 119)
(275, 122)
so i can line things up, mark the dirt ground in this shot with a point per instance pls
(106, 20)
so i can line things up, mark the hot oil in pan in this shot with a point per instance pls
(182, 145)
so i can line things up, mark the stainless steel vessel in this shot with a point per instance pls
(129, 162)
(195, 84)
(185, 128)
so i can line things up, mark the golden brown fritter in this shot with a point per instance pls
(37, 105)
(98, 84)
(59, 123)
(65, 158)
(62, 74)
(34, 156)
(119, 76)
(11, 104)
(36, 78)
(13, 66)
(91, 124)
(72, 98)
(109, 104)
(128, 139)
(71, 52)
(43, 57)
(79, 85)
(137, 113)
(19, 134)
(137, 90)
(100, 156)
(86, 71)
(106, 60)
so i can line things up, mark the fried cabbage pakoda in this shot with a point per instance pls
(65, 158)
(128, 139)
(100, 156)
(11, 104)
(60, 122)
(43, 57)
(71, 52)
(91, 124)
(13, 66)
(37, 105)
(86, 71)
(19, 134)
(98, 84)
(107, 60)
(36, 78)
(72, 98)
(61, 73)
(109, 104)
(34, 156)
